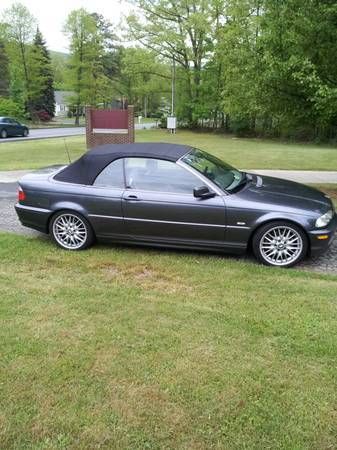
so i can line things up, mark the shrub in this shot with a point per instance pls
(43, 116)
(10, 108)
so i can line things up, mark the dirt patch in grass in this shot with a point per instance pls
(146, 277)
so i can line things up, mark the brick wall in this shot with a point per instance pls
(99, 138)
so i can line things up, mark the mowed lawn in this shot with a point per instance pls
(242, 153)
(123, 348)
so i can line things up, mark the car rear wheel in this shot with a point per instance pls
(71, 231)
(3, 134)
(280, 244)
(25, 132)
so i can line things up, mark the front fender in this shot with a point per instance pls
(303, 221)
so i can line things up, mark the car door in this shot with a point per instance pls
(103, 201)
(17, 127)
(9, 126)
(159, 205)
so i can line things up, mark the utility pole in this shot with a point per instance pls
(172, 121)
(173, 86)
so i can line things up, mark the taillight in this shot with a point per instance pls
(21, 195)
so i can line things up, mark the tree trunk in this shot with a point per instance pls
(77, 115)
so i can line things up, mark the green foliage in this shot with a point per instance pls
(4, 71)
(19, 31)
(179, 31)
(42, 97)
(279, 71)
(86, 75)
(59, 62)
(144, 80)
(9, 108)
(252, 66)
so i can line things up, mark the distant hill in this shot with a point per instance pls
(59, 62)
(55, 54)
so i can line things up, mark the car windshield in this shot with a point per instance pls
(223, 175)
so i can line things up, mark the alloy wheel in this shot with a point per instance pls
(70, 231)
(281, 245)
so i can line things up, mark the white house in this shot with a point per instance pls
(61, 102)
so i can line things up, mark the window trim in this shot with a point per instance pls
(107, 186)
(179, 162)
(205, 180)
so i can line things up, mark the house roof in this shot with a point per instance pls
(62, 97)
(86, 168)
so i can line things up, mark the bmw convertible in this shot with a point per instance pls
(175, 196)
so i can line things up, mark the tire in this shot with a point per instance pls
(280, 244)
(3, 134)
(25, 133)
(71, 231)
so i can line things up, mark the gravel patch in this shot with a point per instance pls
(326, 263)
(9, 221)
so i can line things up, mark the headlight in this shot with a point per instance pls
(324, 220)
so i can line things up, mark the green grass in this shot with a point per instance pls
(122, 348)
(242, 153)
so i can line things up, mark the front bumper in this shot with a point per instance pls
(32, 217)
(318, 246)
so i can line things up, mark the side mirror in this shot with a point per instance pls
(203, 192)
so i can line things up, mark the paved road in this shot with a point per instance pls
(326, 263)
(301, 176)
(45, 133)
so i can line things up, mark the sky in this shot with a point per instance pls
(51, 15)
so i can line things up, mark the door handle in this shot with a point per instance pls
(131, 198)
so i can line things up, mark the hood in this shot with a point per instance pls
(285, 193)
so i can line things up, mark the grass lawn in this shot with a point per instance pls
(124, 348)
(243, 153)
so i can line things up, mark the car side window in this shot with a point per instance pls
(158, 175)
(112, 175)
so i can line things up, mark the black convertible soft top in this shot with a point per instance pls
(85, 169)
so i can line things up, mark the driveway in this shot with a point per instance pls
(327, 263)
(45, 133)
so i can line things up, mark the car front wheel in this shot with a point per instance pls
(25, 132)
(3, 134)
(71, 231)
(280, 244)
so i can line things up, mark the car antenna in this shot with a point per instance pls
(67, 150)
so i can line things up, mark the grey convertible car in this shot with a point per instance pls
(175, 196)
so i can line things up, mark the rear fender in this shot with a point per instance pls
(70, 206)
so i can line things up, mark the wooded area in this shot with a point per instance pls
(252, 67)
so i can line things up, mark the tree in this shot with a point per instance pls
(181, 31)
(42, 97)
(59, 62)
(4, 71)
(144, 80)
(85, 75)
(19, 32)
